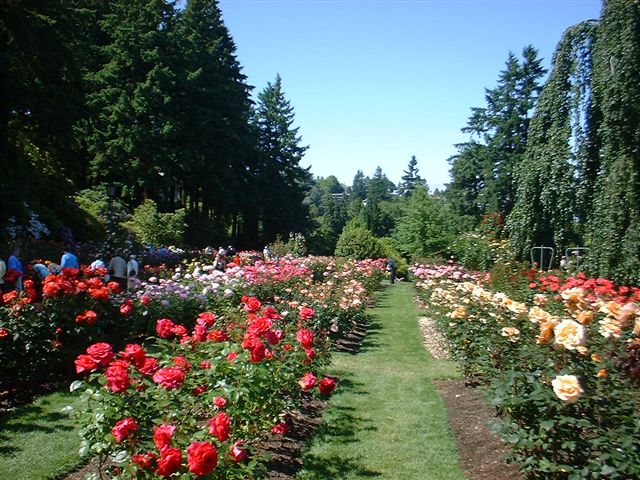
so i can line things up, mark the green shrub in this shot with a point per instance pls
(153, 228)
(358, 243)
(391, 250)
(479, 252)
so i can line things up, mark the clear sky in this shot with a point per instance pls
(373, 82)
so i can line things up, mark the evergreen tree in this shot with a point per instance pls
(499, 135)
(359, 185)
(282, 182)
(132, 96)
(424, 230)
(379, 190)
(615, 225)
(211, 140)
(560, 157)
(411, 178)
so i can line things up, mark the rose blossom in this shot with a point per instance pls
(144, 460)
(570, 334)
(219, 402)
(124, 428)
(101, 353)
(149, 367)
(220, 425)
(118, 376)
(305, 338)
(88, 316)
(202, 458)
(279, 428)
(567, 388)
(162, 435)
(85, 363)
(307, 382)
(236, 453)
(164, 328)
(169, 378)
(169, 461)
(327, 385)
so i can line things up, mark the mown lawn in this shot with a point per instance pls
(39, 441)
(386, 419)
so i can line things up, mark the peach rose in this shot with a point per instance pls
(570, 334)
(546, 332)
(567, 388)
(538, 315)
(512, 332)
(585, 317)
(574, 299)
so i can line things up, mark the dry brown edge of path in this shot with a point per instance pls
(481, 451)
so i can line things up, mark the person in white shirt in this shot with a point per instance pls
(118, 270)
(133, 268)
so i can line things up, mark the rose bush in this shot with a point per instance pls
(562, 368)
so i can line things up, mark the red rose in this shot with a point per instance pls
(199, 390)
(126, 307)
(180, 331)
(101, 352)
(199, 333)
(305, 338)
(232, 356)
(182, 363)
(145, 460)
(206, 318)
(259, 326)
(307, 382)
(205, 364)
(327, 385)
(220, 402)
(134, 353)
(149, 367)
(306, 313)
(236, 453)
(310, 352)
(114, 287)
(219, 426)
(10, 296)
(169, 378)
(124, 428)
(169, 462)
(271, 313)
(118, 376)
(101, 294)
(4, 333)
(85, 363)
(145, 300)
(88, 316)
(162, 435)
(217, 336)
(164, 328)
(280, 428)
(202, 458)
(252, 305)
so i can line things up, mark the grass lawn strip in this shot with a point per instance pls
(39, 441)
(386, 420)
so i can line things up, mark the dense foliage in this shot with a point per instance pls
(552, 363)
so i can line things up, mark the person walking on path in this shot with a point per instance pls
(118, 270)
(391, 267)
(69, 260)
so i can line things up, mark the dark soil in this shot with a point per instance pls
(481, 451)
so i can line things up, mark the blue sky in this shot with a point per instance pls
(373, 82)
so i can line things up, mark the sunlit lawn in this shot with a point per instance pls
(386, 420)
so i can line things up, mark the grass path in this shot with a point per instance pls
(386, 419)
(39, 441)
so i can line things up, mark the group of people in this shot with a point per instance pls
(12, 272)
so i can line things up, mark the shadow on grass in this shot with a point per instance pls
(31, 419)
(341, 426)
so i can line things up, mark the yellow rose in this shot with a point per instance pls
(567, 388)
(570, 334)
(546, 332)
(512, 332)
(585, 317)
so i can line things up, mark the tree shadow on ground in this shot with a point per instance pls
(340, 427)
(34, 421)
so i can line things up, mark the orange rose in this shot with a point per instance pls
(567, 388)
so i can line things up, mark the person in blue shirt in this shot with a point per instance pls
(69, 260)
(14, 263)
